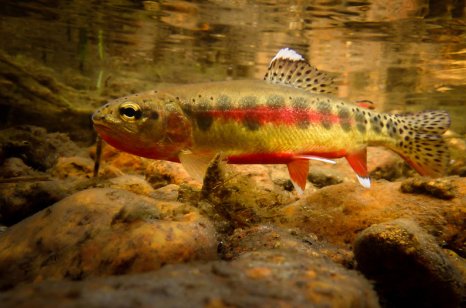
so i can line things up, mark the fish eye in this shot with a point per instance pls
(130, 111)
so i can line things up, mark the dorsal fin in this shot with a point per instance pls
(290, 68)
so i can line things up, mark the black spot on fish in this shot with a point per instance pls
(299, 103)
(375, 125)
(275, 101)
(391, 129)
(223, 103)
(360, 119)
(248, 102)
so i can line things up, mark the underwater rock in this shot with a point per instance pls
(385, 164)
(320, 177)
(168, 193)
(35, 146)
(19, 200)
(14, 167)
(30, 144)
(121, 161)
(32, 94)
(262, 278)
(260, 237)
(233, 200)
(103, 232)
(72, 167)
(337, 213)
(160, 173)
(408, 266)
(439, 188)
(132, 183)
(457, 147)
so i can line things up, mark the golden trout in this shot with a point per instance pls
(289, 118)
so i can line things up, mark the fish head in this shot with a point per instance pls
(151, 126)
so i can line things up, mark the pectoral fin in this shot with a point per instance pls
(298, 170)
(358, 161)
(195, 164)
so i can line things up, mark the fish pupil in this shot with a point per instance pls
(131, 112)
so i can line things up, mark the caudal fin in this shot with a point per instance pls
(420, 141)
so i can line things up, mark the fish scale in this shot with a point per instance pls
(289, 118)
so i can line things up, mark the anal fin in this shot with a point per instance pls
(358, 161)
(298, 170)
(195, 164)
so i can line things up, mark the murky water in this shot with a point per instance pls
(402, 54)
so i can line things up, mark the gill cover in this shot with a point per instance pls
(147, 125)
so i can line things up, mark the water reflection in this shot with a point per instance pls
(403, 55)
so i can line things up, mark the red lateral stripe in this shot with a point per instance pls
(263, 114)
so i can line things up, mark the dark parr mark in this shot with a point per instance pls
(360, 121)
(275, 101)
(187, 109)
(299, 104)
(345, 118)
(248, 102)
(204, 120)
(303, 123)
(251, 123)
(325, 110)
(223, 103)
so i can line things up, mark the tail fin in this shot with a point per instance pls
(421, 143)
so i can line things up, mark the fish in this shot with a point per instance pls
(290, 117)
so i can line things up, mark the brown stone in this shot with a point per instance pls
(337, 213)
(261, 278)
(408, 266)
(103, 232)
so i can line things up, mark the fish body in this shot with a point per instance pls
(291, 117)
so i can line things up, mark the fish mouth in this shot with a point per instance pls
(101, 127)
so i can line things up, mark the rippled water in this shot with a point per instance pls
(402, 54)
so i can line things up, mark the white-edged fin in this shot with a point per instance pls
(364, 181)
(311, 157)
(290, 68)
(196, 165)
(298, 189)
(298, 170)
(287, 53)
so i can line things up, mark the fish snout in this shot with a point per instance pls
(99, 116)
